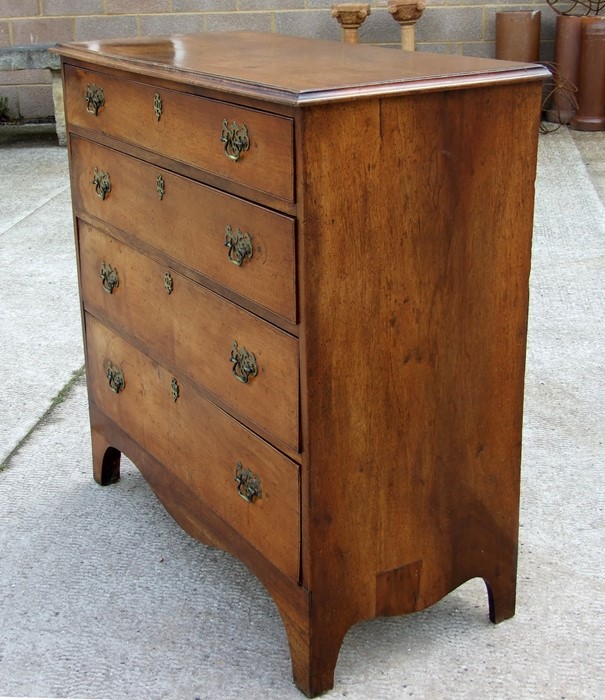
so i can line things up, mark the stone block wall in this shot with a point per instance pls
(447, 26)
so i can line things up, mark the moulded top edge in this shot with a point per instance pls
(293, 70)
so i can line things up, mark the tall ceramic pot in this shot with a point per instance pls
(591, 96)
(568, 40)
(518, 35)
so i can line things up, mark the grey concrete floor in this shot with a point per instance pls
(103, 596)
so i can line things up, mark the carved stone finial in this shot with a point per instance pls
(407, 14)
(350, 16)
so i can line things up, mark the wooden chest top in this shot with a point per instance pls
(269, 66)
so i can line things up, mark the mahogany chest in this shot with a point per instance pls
(304, 284)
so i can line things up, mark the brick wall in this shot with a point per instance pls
(449, 26)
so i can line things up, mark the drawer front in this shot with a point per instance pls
(195, 130)
(209, 338)
(201, 444)
(191, 223)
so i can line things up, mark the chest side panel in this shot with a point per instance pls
(414, 299)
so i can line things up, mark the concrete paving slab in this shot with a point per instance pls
(590, 145)
(103, 596)
(31, 176)
(40, 330)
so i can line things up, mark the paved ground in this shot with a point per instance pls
(103, 596)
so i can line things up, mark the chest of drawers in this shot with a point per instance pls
(304, 281)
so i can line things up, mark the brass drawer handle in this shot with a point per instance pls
(102, 183)
(248, 484)
(239, 245)
(115, 377)
(244, 363)
(236, 139)
(157, 106)
(109, 277)
(160, 187)
(168, 283)
(95, 98)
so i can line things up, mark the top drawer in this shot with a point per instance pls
(243, 145)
